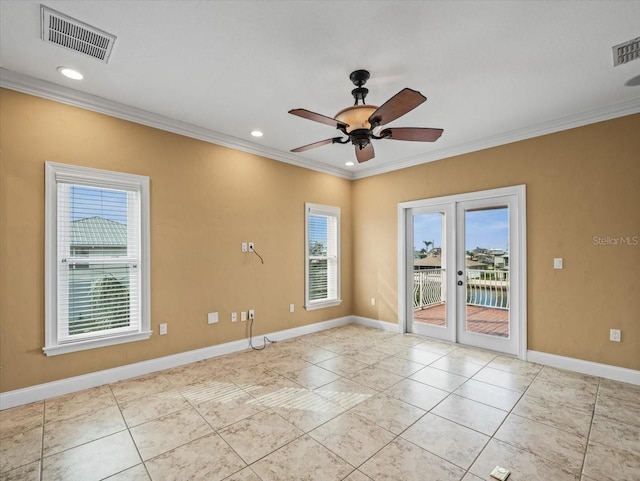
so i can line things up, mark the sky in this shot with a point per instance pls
(484, 228)
(92, 202)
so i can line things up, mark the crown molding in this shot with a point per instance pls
(41, 88)
(48, 90)
(564, 123)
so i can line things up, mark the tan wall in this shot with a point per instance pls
(205, 200)
(581, 183)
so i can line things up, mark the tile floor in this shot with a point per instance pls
(352, 404)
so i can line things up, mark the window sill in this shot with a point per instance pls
(322, 304)
(95, 343)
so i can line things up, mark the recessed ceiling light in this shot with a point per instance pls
(70, 73)
(257, 133)
(349, 164)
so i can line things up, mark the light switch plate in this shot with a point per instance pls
(212, 317)
(499, 473)
(557, 263)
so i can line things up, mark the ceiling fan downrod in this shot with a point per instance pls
(359, 78)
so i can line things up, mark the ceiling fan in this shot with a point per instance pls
(360, 123)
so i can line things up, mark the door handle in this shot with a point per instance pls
(460, 283)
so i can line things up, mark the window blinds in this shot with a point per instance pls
(322, 255)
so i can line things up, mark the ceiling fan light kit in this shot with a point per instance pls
(358, 122)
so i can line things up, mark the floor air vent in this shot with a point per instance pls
(64, 31)
(626, 52)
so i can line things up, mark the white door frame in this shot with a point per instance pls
(519, 224)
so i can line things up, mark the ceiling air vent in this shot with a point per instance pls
(72, 34)
(626, 52)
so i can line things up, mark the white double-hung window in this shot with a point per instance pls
(96, 258)
(322, 256)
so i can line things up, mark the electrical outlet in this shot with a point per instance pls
(557, 263)
(292, 308)
(212, 317)
(234, 317)
(250, 246)
(243, 246)
(615, 335)
(252, 314)
(243, 316)
(163, 329)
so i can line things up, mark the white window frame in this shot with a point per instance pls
(56, 173)
(325, 210)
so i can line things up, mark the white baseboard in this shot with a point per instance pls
(607, 371)
(47, 390)
(366, 321)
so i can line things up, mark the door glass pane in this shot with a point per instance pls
(487, 271)
(429, 276)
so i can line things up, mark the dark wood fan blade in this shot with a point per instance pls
(323, 119)
(365, 154)
(317, 144)
(404, 101)
(411, 133)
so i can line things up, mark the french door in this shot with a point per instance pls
(463, 269)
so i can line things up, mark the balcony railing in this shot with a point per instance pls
(484, 288)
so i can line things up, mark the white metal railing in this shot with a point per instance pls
(484, 288)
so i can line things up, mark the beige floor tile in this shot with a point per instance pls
(208, 457)
(557, 447)
(166, 433)
(307, 410)
(441, 379)
(78, 403)
(357, 476)
(472, 414)
(475, 356)
(206, 391)
(434, 346)
(145, 409)
(416, 393)
(375, 378)
(516, 366)
(220, 414)
(315, 355)
(368, 356)
(20, 449)
(553, 414)
(627, 393)
(402, 460)
(259, 435)
(508, 380)
(418, 355)
(351, 437)
(604, 463)
(456, 366)
(245, 475)
(115, 453)
(618, 408)
(345, 393)
(29, 472)
(62, 435)
(313, 377)
(342, 365)
(287, 365)
(495, 396)
(304, 459)
(582, 398)
(273, 387)
(22, 418)
(140, 387)
(250, 375)
(569, 379)
(615, 434)
(473, 477)
(455, 443)
(524, 465)
(137, 473)
(399, 366)
(388, 413)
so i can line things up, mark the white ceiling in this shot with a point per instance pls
(493, 71)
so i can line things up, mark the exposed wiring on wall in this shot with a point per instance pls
(266, 340)
(254, 251)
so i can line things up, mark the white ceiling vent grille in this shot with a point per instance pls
(64, 31)
(626, 52)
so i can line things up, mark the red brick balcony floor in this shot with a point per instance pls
(482, 320)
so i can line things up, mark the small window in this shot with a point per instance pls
(97, 258)
(322, 256)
